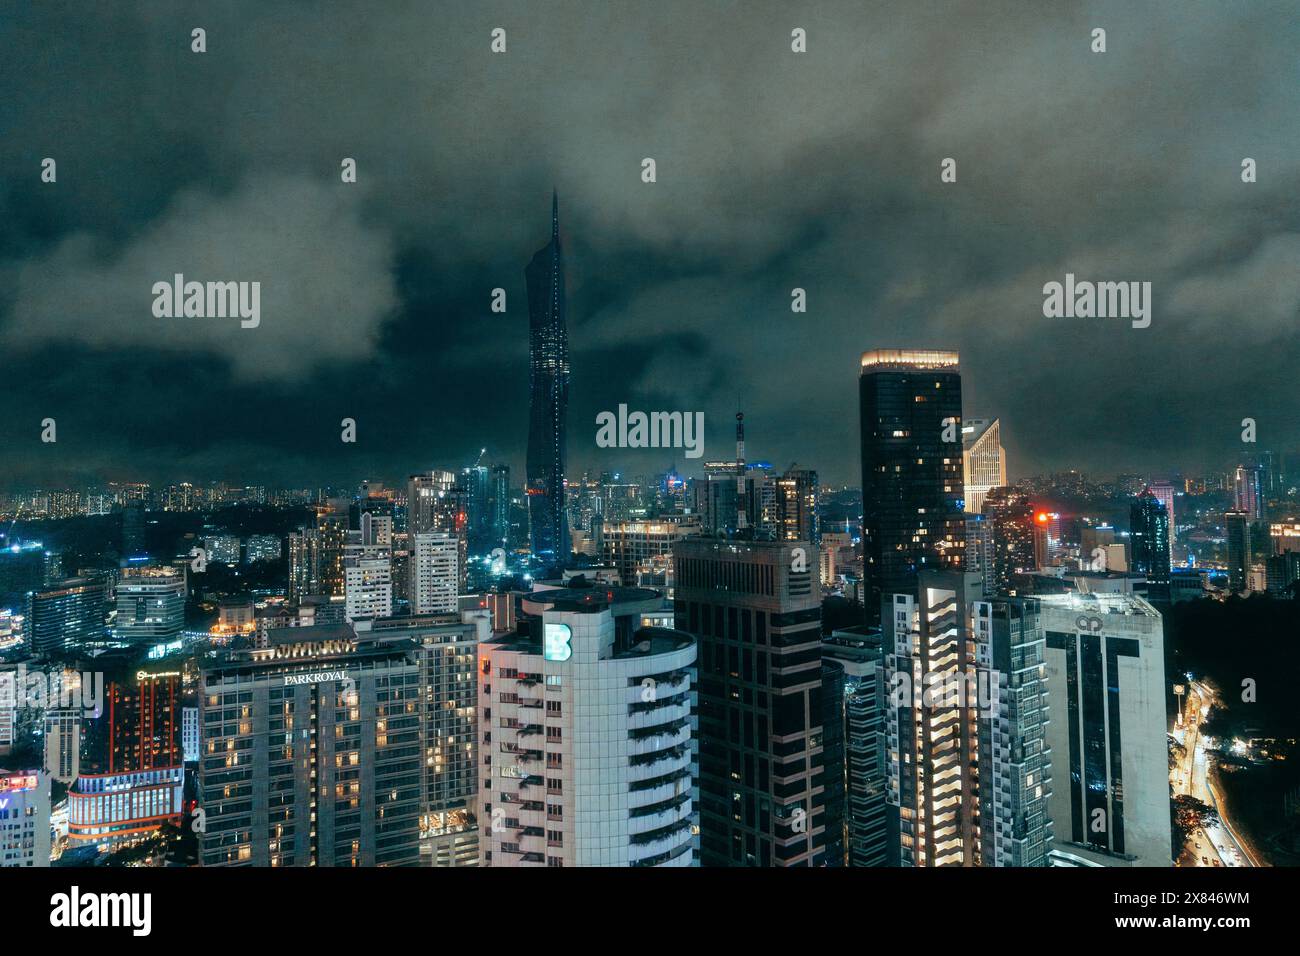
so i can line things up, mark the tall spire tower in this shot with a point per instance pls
(548, 397)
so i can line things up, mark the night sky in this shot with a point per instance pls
(775, 170)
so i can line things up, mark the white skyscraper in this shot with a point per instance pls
(590, 740)
(435, 572)
(1107, 730)
(368, 571)
(984, 461)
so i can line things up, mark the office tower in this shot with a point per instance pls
(434, 573)
(1164, 492)
(1246, 492)
(548, 397)
(447, 657)
(983, 460)
(758, 624)
(798, 497)
(150, 605)
(1239, 550)
(858, 652)
(68, 616)
(368, 573)
(636, 548)
(477, 484)
(832, 768)
(1149, 537)
(132, 772)
(932, 720)
(312, 752)
(1015, 762)
(24, 818)
(501, 506)
(586, 736)
(1011, 518)
(22, 571)
(133, 520)
(1107, 730)
(911, 469)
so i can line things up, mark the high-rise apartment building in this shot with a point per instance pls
(912, 495)
(1107, 730)
(435, 573)
(634, 548)
(983, 459)
(586, 738)
(1015, 761)
(447, 656)
(798, 499)
(1010, 517)
(932, 721)
(758, 623)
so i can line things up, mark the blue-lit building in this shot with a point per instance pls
(548, 398)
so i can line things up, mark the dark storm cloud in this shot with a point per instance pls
(776, 170)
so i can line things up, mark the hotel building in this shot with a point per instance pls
(586, 736)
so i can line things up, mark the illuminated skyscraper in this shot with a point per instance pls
(931, 721)
(911, 469)
(984, 461)
(501, 506)
(548, 402)
(1149, 529)
(1246, 490)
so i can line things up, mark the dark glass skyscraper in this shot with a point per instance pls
(912, 518)
(1149, 527)
(548, 397)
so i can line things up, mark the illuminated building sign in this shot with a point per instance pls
(556, 640)
(319, 677)
(17, 783)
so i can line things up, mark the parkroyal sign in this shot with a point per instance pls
(319, 677)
